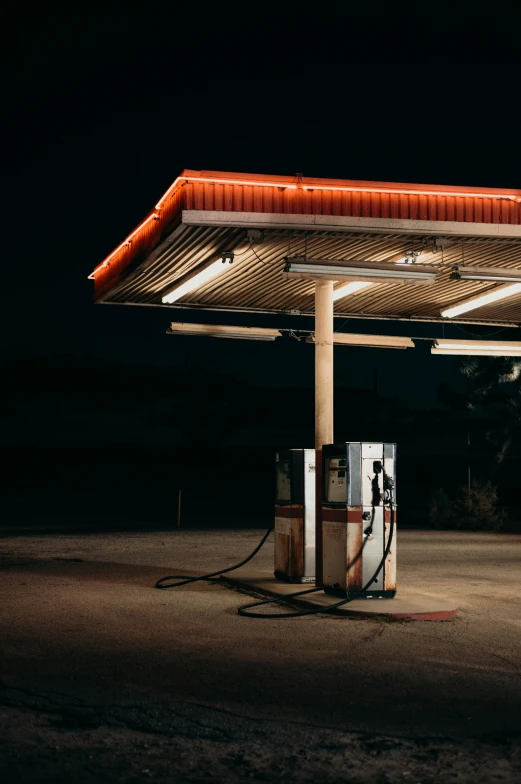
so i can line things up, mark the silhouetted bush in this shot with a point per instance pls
(472, 509)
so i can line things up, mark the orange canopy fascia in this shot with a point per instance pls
(239, 192)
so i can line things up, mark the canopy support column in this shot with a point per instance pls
(323, 399)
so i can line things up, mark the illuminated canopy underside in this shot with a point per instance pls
(480, 228)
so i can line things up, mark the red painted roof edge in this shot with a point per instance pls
(317, 182)
(163, 207)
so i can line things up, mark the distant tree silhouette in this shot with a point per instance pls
(495, 387)
(491, 406)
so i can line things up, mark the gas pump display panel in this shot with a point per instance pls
(358, 500)
(289, 466)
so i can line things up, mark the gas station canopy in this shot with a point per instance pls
(262, 229)
(295, 245)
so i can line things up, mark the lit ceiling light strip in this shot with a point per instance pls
(480, 300)
(486, 353)
(221, 331)
(127, 241)
(367, 341)
(487, 348)
(349, 288)
(500, 274)
(319, 187)
(408, 192)
(220, 181)
(333, 269)
(192, 282)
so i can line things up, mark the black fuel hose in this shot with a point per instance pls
(186, 580)
(349, 598)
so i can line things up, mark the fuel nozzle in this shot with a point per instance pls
(388, 489)
(377, 497)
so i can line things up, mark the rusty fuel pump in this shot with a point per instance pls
(358, 502)
(295, 515)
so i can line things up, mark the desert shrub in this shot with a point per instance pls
(477, 508)
(474, 508)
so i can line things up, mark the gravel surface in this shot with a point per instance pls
(104, 678)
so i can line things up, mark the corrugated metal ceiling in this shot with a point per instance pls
(256, 279)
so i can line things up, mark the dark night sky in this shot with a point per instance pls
(106, 106)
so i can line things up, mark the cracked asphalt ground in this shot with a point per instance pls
(105, 678)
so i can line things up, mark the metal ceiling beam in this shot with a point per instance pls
(311, 314)
(259, 220)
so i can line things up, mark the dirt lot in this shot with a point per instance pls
(105, 678)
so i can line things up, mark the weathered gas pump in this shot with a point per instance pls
(358, 526)
(357, 509)
(295, 516)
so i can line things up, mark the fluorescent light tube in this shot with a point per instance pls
(480, 300)
(486, 348)
(487, 273)
(349, 288)
(192, 282)
(370, 271)
(367, 341)
(221, 331)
